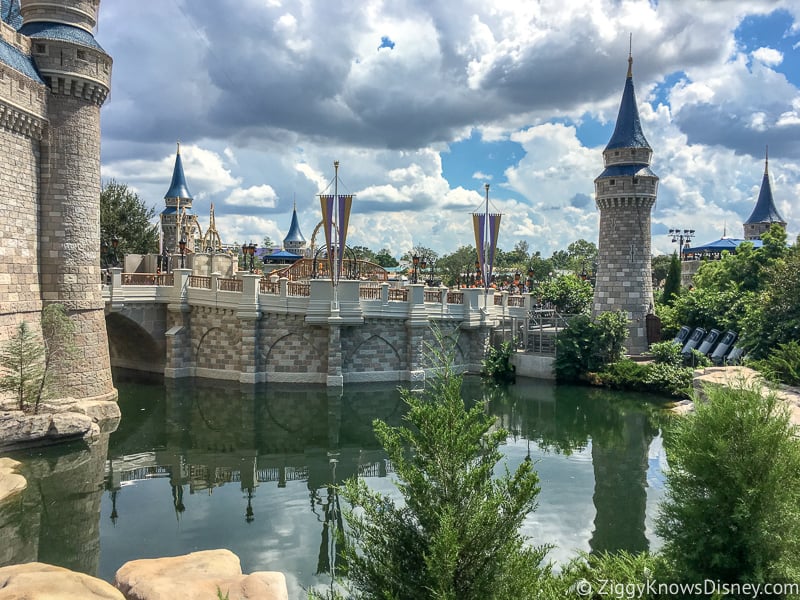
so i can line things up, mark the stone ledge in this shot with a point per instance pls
(64, 421)
(11, 482)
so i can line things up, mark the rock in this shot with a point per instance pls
(11, 482)
(19, 429)
(197, 576)
(39, 581)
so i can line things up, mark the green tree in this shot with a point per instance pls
(567, 293)
(363, 253)
(456, 533)
(582, 256)
(732, 509)
(22, 358)
(29, 360)
(659, 266)
(452, 267)
(267, 243)
(124, 216)
(672, 286)
(384, 258)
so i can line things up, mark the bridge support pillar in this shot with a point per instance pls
(249, 317)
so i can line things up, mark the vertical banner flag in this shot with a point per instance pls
(478, 224)
(486, 247)
(326, 202)
(342, 219)
(494, 231)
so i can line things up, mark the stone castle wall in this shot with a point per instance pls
(50, 186)
(624, 280)
(22, 119)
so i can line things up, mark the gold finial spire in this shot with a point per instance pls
(179, 146)
(766, 160)
(630, 55)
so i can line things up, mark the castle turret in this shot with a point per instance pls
(178, 212)
(294, 241)
(625, 193)
(77, 72)
(764, 214)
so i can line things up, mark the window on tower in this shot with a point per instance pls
(612, 182)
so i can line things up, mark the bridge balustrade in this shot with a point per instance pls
(200, 281)
(230, 285)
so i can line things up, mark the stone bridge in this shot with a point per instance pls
(252, 329)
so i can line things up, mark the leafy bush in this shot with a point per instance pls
(696, 359)
(624, 375)
(589, 574)
(497, 363)
(659, 378)
(669, 379)
(586, 346)
(732, 508)
(782, 365)
(666, 353)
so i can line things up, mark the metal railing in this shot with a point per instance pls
(298, 289)
(147, 279)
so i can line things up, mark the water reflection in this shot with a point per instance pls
(196, 465)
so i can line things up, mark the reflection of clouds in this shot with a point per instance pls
(565, 515)
(657, 467)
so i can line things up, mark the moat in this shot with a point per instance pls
(197, 465)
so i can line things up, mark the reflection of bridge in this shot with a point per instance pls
(252, 329)
(180, 469)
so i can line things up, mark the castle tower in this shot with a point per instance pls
(764, 214)
(178, 209)
(294, 241)
(77, 72)
(625, 193)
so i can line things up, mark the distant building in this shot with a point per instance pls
(178, 219)
(764, 214)
(294, 241)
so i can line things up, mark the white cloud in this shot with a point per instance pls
(768, 56)
(258, 196)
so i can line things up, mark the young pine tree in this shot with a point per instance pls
(672, 285)
(456, 534)
(732, 510)
(23, 361)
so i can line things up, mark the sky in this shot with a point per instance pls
(423, 103)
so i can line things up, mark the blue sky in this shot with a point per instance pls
(423, 103)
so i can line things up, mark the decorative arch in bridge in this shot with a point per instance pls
(131, 346)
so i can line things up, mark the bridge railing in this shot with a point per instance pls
(251, 294)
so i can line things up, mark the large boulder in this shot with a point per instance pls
(19, 429)
(11, 482)
(39, 581)
(197, 576)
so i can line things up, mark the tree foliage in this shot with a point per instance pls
(123, 215)
(456, 533)
(30, 360)
(732, 509)
(672, 285)
(587, 345)
(567, 293)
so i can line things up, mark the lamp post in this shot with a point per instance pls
(682, 237)
(529, 281)
(252, 251)
(182, 247)
(415, 262)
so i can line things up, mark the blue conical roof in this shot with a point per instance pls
(628, 131)
(294, 234)
(178, 187)
(765, 211)
(9, 12)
